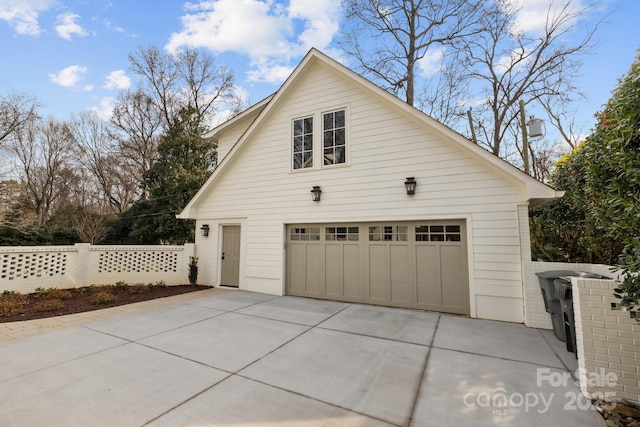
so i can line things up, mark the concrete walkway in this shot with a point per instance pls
(234, 358)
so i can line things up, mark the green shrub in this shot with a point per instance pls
(54, 293)
(629, 265)
(121, 285)
(158, 284)
(193, 270)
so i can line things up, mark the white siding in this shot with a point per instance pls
(230, 135)
(385, 147)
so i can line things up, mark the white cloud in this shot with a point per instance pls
(67, 26)
(105, 109)
(320, 18)
(115, 28)
(117, 80)
(70, 76)
(431, 63)
(268, 72)
(269, 32)
(23, 15)
(533, 14)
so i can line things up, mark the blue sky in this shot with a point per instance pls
(72, 54)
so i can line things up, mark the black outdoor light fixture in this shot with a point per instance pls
(410, 185)
(204, 230)
(315, 193)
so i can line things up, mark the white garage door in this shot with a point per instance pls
(414, 265)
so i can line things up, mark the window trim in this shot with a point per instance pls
(313, 142)
(347, 155)
(318, 139)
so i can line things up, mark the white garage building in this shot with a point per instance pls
(455, 245)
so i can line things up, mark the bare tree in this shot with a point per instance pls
(206, 87)
(44, 151)
(100, 155)
(387, 38)
(443, 96)
(187, 79)
(509, 65)
(91, 228)
(560, 115)
(159, 80)
(16, 110)
(137, 122)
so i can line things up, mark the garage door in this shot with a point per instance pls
(413, 265)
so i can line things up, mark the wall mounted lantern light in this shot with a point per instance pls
(315, 193)
(410, 185)
(204, 230)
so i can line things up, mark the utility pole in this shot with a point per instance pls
(473, 131)
(525, 141)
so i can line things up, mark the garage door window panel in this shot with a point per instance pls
(388, 233)
(305, 233)
(342, 234)
(438, 233)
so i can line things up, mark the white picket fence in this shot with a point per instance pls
(25, 268)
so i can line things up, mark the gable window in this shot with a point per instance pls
(303, 143)
(334, 137)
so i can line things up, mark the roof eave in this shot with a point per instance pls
(536, 202)
(237, 118)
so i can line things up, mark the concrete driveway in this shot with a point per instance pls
(248, 359)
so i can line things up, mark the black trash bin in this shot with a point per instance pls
(564, 293)
(552, 303)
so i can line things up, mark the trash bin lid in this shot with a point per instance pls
(556, 274)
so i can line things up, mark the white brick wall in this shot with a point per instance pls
(25, 268)
(608, 341)
(535, 316)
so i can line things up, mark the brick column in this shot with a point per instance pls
(607, 340)
(82, 264)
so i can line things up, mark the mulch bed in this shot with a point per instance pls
(78, 300)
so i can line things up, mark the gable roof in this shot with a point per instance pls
(254, 109)
(539, 193)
